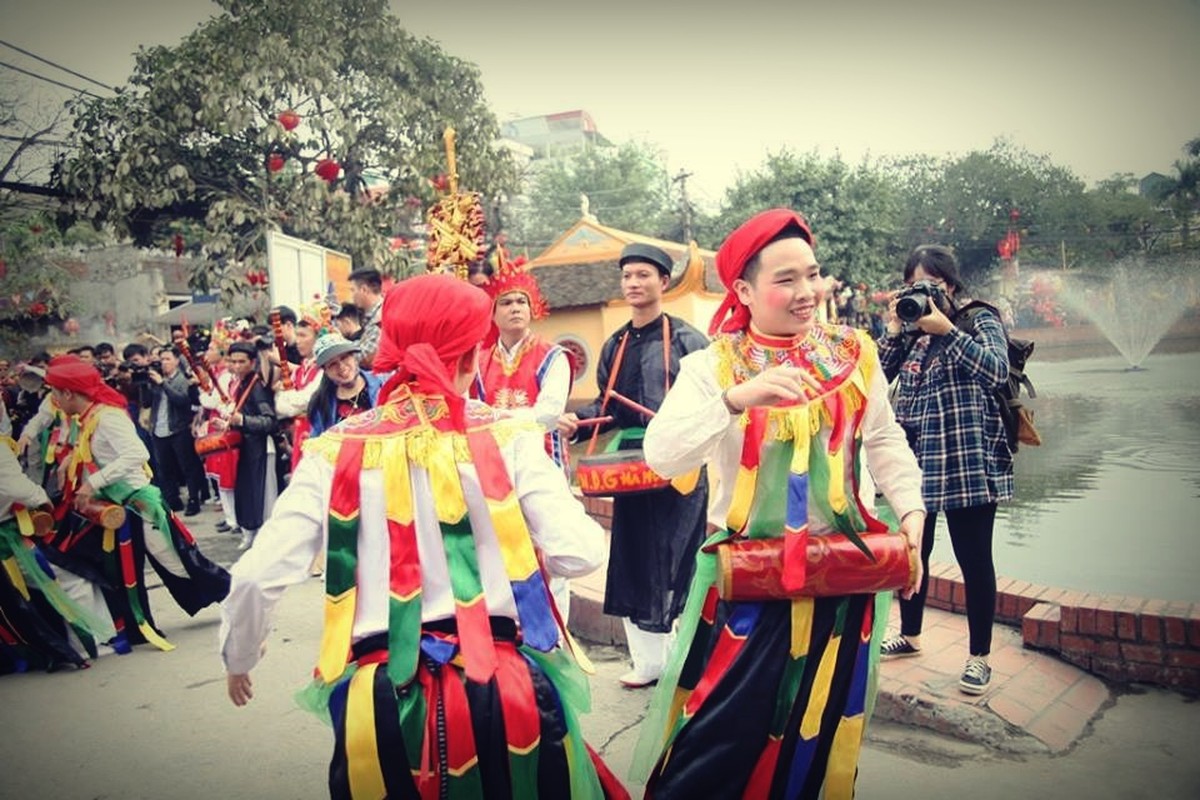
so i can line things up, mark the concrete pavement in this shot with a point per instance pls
(158, 725)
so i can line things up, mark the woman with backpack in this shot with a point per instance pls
(946, 402)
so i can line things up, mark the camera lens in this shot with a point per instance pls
(912, 307)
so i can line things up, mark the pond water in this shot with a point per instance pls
(1110, 502)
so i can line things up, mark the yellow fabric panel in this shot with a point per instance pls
(397, 487)
(362, 753)
(335, 637)
(843, 759)
(14, 575)
(513, 536)
(819, 698)
(802, 618)
(837, 481)
(743, 494)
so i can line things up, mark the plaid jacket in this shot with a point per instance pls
(948, 408)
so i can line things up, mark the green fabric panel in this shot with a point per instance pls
(789, 687)
(649, 743)
(459, 543)
(404, 639)
(413, 713)
(342, 559)
(768, 509)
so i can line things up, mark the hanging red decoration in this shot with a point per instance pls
(252, 278)
(289, 119)
(275, 162)
(178, 245)
(328, 169)
(37, 309)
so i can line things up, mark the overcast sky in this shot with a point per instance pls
(1101, 86)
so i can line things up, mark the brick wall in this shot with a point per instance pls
(1114, 636)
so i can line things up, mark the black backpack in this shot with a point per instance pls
(1018, 420)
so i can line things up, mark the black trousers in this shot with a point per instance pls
(178, 464)
(971, 536)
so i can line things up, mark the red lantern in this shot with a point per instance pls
(328, 169)
(275, 162)
(289, 119)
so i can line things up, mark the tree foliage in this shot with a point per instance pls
(626, 186)
(851, 209)
(194, 142)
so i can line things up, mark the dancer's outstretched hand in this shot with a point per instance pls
(240, 688)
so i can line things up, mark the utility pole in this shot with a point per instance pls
(685, 208)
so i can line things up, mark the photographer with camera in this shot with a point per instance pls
(948, 409)
(171, 429)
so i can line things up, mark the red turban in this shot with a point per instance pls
(739, 247)
(74, 374)
(428, 322)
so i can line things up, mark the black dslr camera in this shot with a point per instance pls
(914, 302)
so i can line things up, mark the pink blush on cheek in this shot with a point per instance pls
(778, 298)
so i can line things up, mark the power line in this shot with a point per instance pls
(51, 142)
(49, 80)
(57, 66)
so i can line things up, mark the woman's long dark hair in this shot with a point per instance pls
(937, 261)
(321, 400)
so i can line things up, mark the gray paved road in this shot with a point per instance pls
(158, 725)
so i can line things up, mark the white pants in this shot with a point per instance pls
(227, 507)
(89, 597)
(647, 650)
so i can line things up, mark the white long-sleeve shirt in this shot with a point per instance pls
(693, 426)
(118, 452)
(15, 486)
(571, 542)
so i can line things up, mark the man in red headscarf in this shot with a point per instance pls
(792, 415)
(103, 463)
(430, 508)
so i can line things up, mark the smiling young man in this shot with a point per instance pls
(792, 415)
(656, 533)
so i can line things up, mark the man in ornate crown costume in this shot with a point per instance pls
(768, 698)
(523, 375)
(440, 666)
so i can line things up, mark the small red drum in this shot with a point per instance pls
(621, 472)
(217, 442)
(102, 513)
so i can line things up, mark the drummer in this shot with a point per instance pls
(654, 534)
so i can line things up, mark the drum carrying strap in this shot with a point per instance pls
(616, 369)
(685, 483)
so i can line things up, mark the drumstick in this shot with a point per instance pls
(638, 407)
(595, 421)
